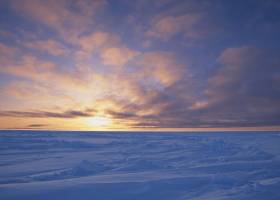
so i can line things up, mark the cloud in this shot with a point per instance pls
(117, 56)
(7, 53)
(106, 45)
(245, 70)
(29, 67)
(236, 95)
(155, 108)
(30, 127)
(164, 27)
(36, 95)
(47, 114)
(26, 90)
(239, 89)
(161, 67)
(121, 115)
(50, 46)
(42, 71)
(37, 126)
(97, 41)
(69, 18)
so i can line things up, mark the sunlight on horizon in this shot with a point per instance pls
(99, 122)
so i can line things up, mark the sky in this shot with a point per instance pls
(140, 65)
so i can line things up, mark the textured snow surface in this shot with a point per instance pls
(87, 165)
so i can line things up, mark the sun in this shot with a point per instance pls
(99, 121)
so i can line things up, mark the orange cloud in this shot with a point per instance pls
(117, 56)
(30, 67)
(164, 27)
(44, 72)
(37, 95)
(107, 45)
(50, 46)
(6, 54)
(94, 43)
(97, 41)
(160, 66)
(69, 18)
(6, 51)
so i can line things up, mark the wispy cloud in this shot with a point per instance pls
(160, 66)
(117, 56)
(50, 46)
(164, 27)
(36, 126)
(74, 16)
(46, 114)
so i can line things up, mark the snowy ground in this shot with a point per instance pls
(157, 166)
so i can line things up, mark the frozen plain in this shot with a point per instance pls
(125, 166)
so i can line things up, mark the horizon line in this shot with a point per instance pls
(146, 131)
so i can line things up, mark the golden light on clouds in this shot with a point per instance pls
(89, 65)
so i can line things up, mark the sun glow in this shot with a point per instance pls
(99, 121)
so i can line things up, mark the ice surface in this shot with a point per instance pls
(158, 166)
